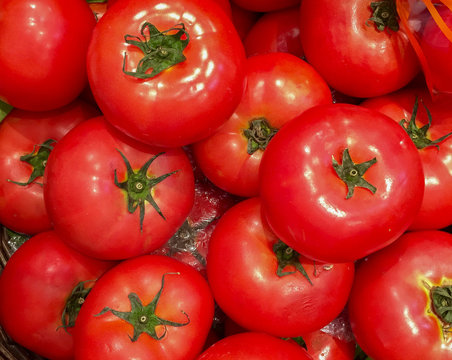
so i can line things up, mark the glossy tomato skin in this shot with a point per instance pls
(242, 272)
(22, 208)
(350, 53)
(43, 46)
(35, 285)
(254, 346)
(304, 199)
(185, 295)
(91, 212)
(390, 306)
(436, 208)
(280, 87)
(184, 103)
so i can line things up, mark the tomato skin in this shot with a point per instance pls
(265, 5)
(91, 212)
(291, 86)
(436, 208)
(35, 284)
(43, 46)
(389, 307)
(304, 200)
(243, 19)
(207, 85)
(22, 208)
(324, 346)
(353, 57)
(107, 336)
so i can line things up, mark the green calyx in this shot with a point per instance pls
(419, 135)
(287, 256)
(259, 134)
(352, 174)
(138, 186)
(161, 50)
(143, 318)
(38, 160)
(442, 302)
(384, 15)
(74, 304)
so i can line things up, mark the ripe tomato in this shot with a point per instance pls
(243, 19)
(43, 46)
(37, 287)
(280, 87)
(436, 208)
(400, 303)
(149, 307)
(112, 197)
(265, 5)
(26, 139)
(340, 182)
(183, 103)
(265, 286)
(348, 50)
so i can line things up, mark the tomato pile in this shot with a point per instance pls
(215, 179)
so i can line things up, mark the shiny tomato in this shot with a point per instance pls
(197, 76)
(265, 5)
(400, 303)
(350, 52)
(340, 182)
(43, 46)
(149, 307)
(26, 139)
(112, 197)
(280, 87)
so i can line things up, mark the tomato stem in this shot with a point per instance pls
(442, 302)
(259, 134)
(287, 256)
(384, 15)
(74, 304)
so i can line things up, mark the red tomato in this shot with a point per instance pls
(149, 307)
(112, 197)
(276, 31)
(37, 284)
(280, 87)
(23, 134)
(436, 208)
(340, 182)
(400, 303)
(254, 346)
(265, 286)
(182, 103)
(265, 5)
(243, 19)
(43, 46)
(348, 50)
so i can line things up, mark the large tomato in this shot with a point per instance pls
(342, 41)
(197, 61)
(400, 304)
(146, 308)
(280, 87)
(341, 181)
(26, 139)
(43, 46)
(112, 197)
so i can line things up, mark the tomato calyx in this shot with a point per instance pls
(143, 318)
(287, 256)
(138, 186)
(442, 303)
(74, 304)
(384, 15)
(419, 135)
(259, 134)
(352, 174)
(161, 49)
(38, 160)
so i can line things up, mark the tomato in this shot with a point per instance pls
(243, 19)
(436, 208)
(265, 5)
(26, 139)
(43, 46)
(201, 72)
(254, 346)
(280, 87)
(348, 50)
(37, 285)
(400, 303)
(265, 286)
(276, 31)
(112, 197)
(340, 182)
(148, 307)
